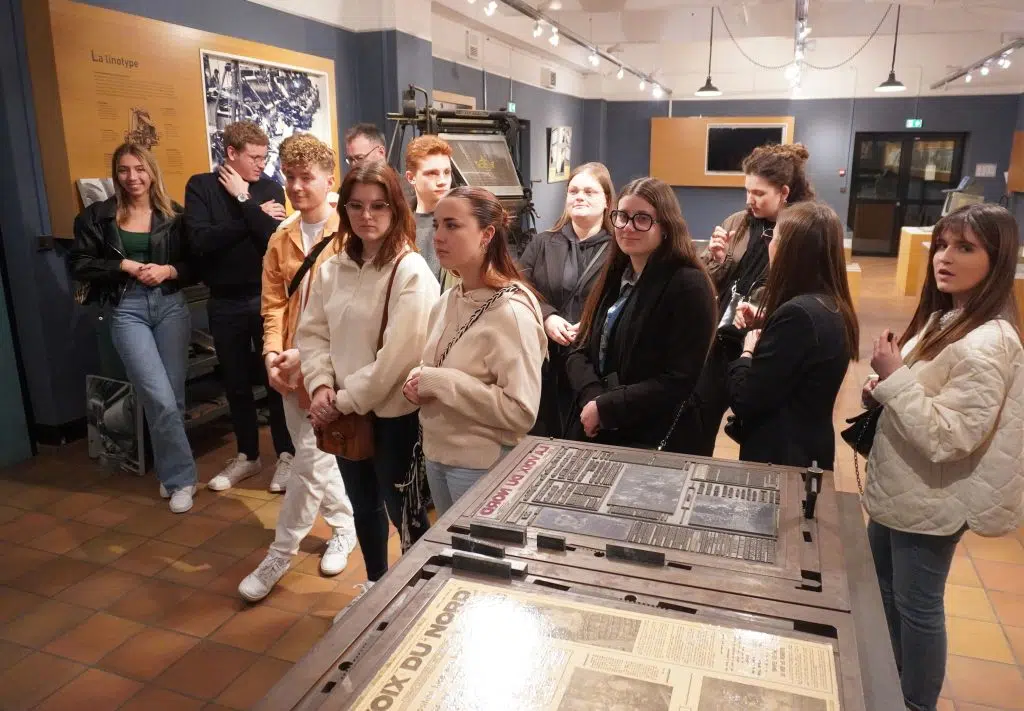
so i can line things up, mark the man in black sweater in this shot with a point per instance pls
(230, 215)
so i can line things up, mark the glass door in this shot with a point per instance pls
(897, 181)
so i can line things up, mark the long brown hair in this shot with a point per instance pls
(600, 173)
(499, 269)
(809, 260)
(158, 198)
(996, 229)
(676, 244)
(782, 165)
(401, 233)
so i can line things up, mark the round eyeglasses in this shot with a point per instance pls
(642, 222)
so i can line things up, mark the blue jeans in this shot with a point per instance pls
(151, 332)
(912, 570)
(448, 484)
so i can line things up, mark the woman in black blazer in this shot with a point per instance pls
(784, 384)
(646, 327)
(563, 264)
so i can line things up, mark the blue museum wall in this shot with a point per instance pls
(542, 108)
(826, 127)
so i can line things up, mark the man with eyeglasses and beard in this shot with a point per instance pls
(230, 214)
(364, 143)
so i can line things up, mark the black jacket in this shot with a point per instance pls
(230, 237)
(785, 395)
(97, 252)
(564, 269)
(655, 353)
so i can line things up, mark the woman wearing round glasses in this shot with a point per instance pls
(346, 370)
(563, 264)
(737, 259)
(646, 326)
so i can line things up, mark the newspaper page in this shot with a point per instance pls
(479, 647)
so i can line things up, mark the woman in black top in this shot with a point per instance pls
(563, 264)
(646, 326)
(784, 385)
(737, 259)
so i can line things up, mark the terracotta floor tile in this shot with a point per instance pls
(148, 654)
(149, 602)
(231, 509)
(253, 684)
(206, 670)
(14, 603)
(153, 699)
(94, 689)
(101, 590)
(150, 557)
(197, 568)
(112, 512)
(265, 516)
(65, 536)
(36, 497)
(9, 513)
(962, 573)
(970, 603)
(150, 523)
(965, 706)
(978, 640)
(255, 628)
(249, 489)
(1001, 576)
(44, 623)
(27, 527)
(76, 503)
(946, 705)
(227, 582)
(240, 541)
(107, 547)
(215, 707)
(1009, 607)
(193, 530)
(94, 639)
(54, 576)
(1016, 637)
(329, 604)
(298, 592)
(987, 683)
(34, 678)
(310, 565)
(306, 632)
(11, 654)
(1005, 549)
(201, 613)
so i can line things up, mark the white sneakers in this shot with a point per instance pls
(181, 500)
(335, 558)
(363, 589)
(258, 584)
(238, 469)
(282, 473)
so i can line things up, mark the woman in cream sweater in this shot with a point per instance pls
(478, 387)
(343, 369)
(947, 451)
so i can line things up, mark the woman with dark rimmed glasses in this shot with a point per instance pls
(646, 326)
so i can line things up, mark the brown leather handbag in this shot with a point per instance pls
(351, 435)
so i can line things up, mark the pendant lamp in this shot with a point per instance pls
(892, 84)
(709, 89)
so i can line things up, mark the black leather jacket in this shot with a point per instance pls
(97, 252)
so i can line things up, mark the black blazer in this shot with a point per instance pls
(785, 395)
(655, 354)
(97, 252)
(544, 264)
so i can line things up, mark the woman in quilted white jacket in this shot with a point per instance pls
(950, 441)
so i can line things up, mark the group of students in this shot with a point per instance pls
(609, 328)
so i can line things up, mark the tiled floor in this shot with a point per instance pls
(108, 601)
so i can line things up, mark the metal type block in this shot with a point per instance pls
(499, 532)
(472, 545)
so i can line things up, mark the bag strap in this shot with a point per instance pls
(306, 265)
(474, 317)
(675, 421)
(387, 299)
(581, 280)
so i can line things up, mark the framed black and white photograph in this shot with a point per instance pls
(114, 422)
(281, 100)
(559, 153)
(95, 190)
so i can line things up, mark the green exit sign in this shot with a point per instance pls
(915, 123)
(511, 107)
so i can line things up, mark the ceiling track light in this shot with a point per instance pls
(491, 7)
(538, 29)
(553, 39)
(1001, 57)
(968, 78)
(892, 84)
(594, 60)
(709, 89)
(656, 92)
(621, 73)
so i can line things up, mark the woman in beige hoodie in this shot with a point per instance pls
(946, 456)
(478, 386)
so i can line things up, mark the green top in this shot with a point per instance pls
(136, 245)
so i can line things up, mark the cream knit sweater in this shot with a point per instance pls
(487, 392)
(337, 335)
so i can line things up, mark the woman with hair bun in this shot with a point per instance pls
(478, 386)
(737, 259)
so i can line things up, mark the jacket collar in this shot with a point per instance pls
(293, 228)
(570, 234)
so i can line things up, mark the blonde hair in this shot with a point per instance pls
(158, 198)
(305, 149)
(240, 133)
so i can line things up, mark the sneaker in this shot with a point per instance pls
(363, 589)
(282, 473)
(258, 584)
(335, 558)
(237, 469)
(181, 500)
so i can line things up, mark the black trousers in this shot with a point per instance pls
(370, 485)
(237, 329)
(557, 400)
(697, 430)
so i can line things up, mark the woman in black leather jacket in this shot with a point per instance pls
(131, 256)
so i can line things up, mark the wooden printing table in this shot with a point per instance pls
(847, 616)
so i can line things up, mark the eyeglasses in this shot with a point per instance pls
(376, 208)
(642, 222)
(258, 160)
(356, 160)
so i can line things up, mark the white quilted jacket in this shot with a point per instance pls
(949, 447)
